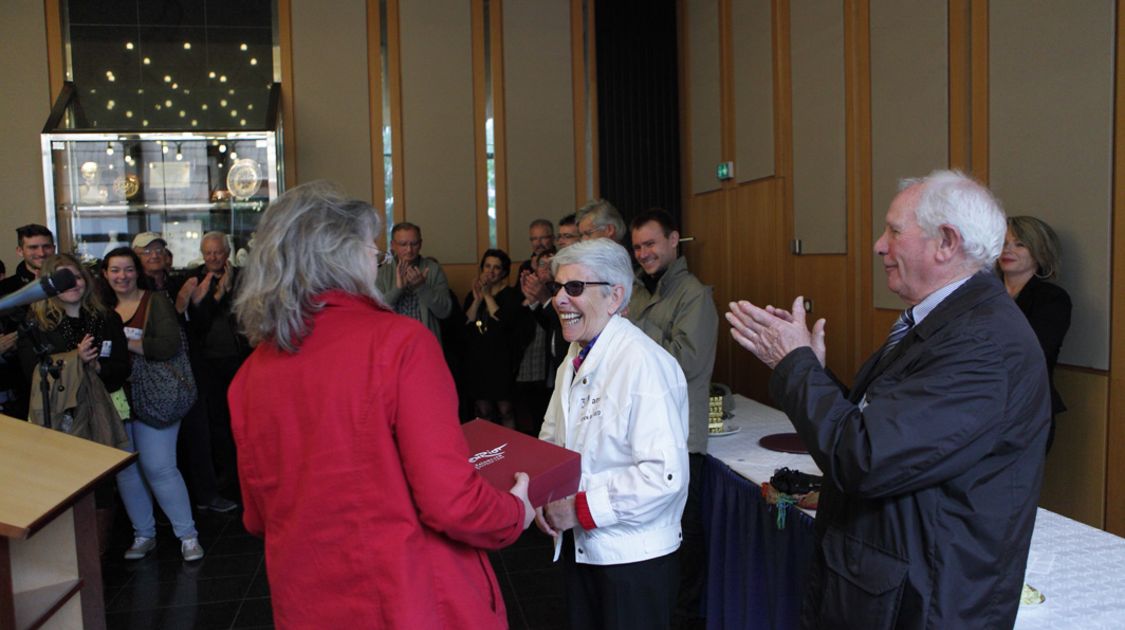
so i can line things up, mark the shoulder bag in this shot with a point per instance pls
(163, 391)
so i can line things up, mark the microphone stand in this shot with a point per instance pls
(47, 367)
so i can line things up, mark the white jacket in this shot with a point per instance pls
(626, 412)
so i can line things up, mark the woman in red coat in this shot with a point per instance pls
(352, 461)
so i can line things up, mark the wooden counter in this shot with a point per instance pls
(49, 565)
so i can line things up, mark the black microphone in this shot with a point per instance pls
(41, 289)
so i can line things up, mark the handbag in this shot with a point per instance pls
(163, 391)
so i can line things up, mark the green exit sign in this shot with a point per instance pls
(724, 171)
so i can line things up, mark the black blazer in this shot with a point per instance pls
(1047, 308)
(930, 491)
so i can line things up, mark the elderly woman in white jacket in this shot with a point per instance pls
(621, 401)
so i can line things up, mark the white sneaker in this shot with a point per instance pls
(191, 550)
(141, 547)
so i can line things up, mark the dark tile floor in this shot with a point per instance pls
(228, 588)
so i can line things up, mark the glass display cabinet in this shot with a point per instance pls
(105, 186)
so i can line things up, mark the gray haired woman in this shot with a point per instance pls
(621, 401)
(349, 445)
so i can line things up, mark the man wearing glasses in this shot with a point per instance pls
(412, 284)
(153, 252)
(599, 219)
(568, 232)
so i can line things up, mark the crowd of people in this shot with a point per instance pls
(332, 379)
(125, 315)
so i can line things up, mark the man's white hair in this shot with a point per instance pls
(953, 198)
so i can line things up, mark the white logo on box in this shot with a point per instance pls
(484, 458)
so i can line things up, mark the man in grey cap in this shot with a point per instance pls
(151, 248)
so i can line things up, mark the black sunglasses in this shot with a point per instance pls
(574, 288)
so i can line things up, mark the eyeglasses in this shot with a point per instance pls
(574, 288)
(155, 251)
(381, 257)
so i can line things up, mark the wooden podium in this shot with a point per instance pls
(50, 573)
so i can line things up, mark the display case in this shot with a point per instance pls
(105, 186)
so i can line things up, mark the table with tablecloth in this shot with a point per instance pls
(756, 571)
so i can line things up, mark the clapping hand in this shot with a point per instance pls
(409, 276)
(200, 287)
(533, 288)
(770, 333)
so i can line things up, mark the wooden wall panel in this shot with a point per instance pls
(540, 118)
(437, 126)
(461, 279)
(757, 260)
(819, 188)
(707, 221)
(1074, 481)
(909, 107)
(1051, 71)
(823, 280)
(24, 107)
(333, 133)
(702, 94)
(881, 322)
(752, 48)
(857, 44)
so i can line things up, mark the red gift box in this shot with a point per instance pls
(499, 453)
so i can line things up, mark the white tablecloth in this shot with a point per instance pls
(1080, 570)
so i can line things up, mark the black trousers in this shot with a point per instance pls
(620, 596)
(693, 550)
(215, 377)
(194, 448)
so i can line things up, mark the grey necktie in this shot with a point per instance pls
(902, 326)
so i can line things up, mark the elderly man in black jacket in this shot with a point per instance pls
(934, 458)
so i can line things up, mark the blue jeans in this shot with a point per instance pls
(157, 471)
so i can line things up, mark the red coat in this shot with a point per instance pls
(354, 468)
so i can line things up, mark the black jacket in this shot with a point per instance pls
(109, 334)
(931, 490)
(214, 315)
(1047, 308)
(18, 280)
(13, 384)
